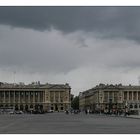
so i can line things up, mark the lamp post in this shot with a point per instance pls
(116, 108)
(126, 108)
(110, 105)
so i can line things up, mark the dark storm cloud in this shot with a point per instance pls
(81, 45)
(109, 21)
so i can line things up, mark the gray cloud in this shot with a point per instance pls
(109, 21)
(80, 45)
(45, 52)
(55, 52)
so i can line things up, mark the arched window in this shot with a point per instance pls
(136, 106)
(6, 105)
(21, 107)
(41, 107)
(36, 107)
(16, 107)
(31, 106)
(131, 106)
(26, 107)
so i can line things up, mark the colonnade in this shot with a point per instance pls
(21, 96)
(131, 95)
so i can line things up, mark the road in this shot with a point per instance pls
(60, 123)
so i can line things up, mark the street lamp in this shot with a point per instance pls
(110, 105)
(126, 106)
(116, 108)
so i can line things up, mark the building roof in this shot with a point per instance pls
(34, 85)
(108, 87)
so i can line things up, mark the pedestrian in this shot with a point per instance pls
(67, 112)
(86, 112)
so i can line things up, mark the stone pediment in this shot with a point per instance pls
(111, 87)
(58, 86)
(55, 86)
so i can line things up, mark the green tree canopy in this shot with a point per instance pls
(75, 103)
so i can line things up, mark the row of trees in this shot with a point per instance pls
(75, 103)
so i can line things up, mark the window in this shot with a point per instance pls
(134, 95)
(31, 106)
(130, 95)
(2, 94)
(110, 95)
(105, 96)
(115, 97)
(131, 106)
(125, 95)
(139, 95)
(135, 106)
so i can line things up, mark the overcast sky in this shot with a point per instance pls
(82, 46)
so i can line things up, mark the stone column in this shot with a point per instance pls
(26, 100)
(9, 96)
(54, 96)
(19, 94)
(121, 96)
(48, 96)
(108, 97)
(113, 97)
(29, 97)
(59, 107)
(36, 97)
(137, 96)
(4, 96)
(24, 97)
(0, 97)
(42, 96)
(59, 96)
(132, 95)
(33, 97)
(17, 97)
(127, 96)
(38, 94)
(14, 96)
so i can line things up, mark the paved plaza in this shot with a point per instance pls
(60, 123)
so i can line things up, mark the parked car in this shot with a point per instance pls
(38, 112)
(11, 112)
(50, 111)
(18, 112)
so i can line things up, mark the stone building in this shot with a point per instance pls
(108, 97)
(35, 96)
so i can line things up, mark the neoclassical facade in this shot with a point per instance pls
(35, 96)
(105, 97)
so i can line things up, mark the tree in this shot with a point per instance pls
(75, 103)
(71, 97)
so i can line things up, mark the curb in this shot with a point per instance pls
(131, 117)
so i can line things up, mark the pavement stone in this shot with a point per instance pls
(60, 123)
